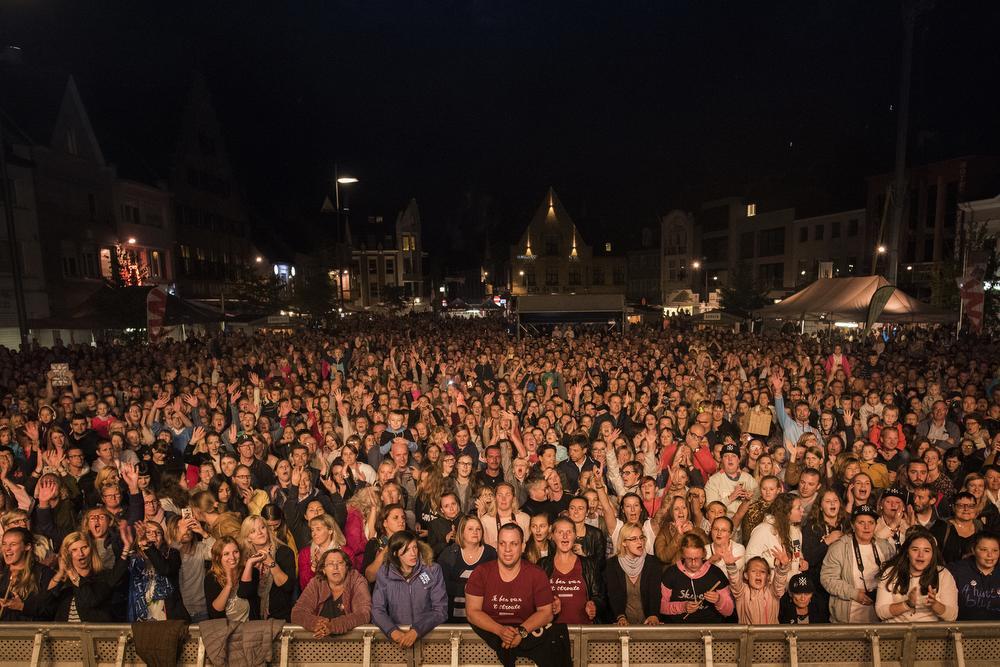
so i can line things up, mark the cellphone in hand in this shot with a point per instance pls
(186, 513)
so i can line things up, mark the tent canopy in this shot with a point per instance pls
(125, 307)
(847, 299)
(542, 308)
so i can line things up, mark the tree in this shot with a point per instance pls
(312, 294)
(743, 294)
(256, 295)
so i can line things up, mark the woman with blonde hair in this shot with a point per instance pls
(273, 571)
(23, 580)
(459, 559)
(362, 509)
(326, 535)
(633, 580)
(82, 589)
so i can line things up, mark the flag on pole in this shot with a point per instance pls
(156, 310)
(877, 304)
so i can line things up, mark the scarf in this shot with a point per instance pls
(632, 565)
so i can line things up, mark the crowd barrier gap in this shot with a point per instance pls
(974, 644)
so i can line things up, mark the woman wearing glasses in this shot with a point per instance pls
(410, 598)
(633, 580)
(954, 536)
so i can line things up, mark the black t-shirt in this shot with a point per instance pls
(685, 589)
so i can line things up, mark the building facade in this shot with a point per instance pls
(213, 245)
(732, 231)
(551, 257)
(835, 241)
(929, 231)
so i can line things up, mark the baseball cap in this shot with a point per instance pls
(731, 448)
(801, 584)
(864, 510)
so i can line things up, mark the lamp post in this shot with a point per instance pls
(696, 265)
(15, 252)
(339, 180)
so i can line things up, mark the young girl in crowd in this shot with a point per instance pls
(756, 591)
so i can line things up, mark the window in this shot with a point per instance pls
(69, 266)
(105, 263)
(551, 245)
(607, 246)
(374, 219)
(835, 229)
(130, 214)
(818, 233)
(746, 245)
(931, 218)
(852, 227)
(552, 276)
(529, 277)
(407, 265)
(373, 266)
(409, 243)
(950, 204)
(598, 276)
(771, 275)
(71, 145)
(751, 210)
(803, 234)
(618, 275)
(771, 242)
(716, 250)
(390, 266)
(88, 266)
(574, 275)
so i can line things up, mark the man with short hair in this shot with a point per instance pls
(731, 485)
(508, 603)
(808, 489)
(577, 463)
(491, 475)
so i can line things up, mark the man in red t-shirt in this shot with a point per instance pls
(509, 604)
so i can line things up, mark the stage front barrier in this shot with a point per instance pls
(885, 645)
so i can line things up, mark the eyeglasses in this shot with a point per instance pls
(635, 538)
(241, 476)
(464, 463)
(964, 506)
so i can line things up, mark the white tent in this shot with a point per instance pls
(847, 300)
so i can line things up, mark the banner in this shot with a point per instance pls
(156, 310)
(877, 304)
(973, 297)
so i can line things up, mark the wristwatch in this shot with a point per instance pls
(521, 631)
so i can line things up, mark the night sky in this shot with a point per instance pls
(629, 109)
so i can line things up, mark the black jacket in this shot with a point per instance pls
(169, 565)
(93, 595)
(594, 545)
(649, 587)
(591, 577)
(38, 605)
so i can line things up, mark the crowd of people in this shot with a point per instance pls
(411, 472)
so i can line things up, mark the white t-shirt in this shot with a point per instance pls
(861, 613)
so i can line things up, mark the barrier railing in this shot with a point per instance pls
(885, 645)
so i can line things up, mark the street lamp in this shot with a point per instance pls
(131, 240)
(339, 180)
(697, 264)
(881, 249)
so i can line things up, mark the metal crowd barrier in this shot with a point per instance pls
(885, 645)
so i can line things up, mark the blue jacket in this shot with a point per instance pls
(420, 601)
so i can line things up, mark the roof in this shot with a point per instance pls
(571, 303)
(125, 307)
(847, 300)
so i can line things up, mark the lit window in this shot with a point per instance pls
(751, 210)
(607, 247)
